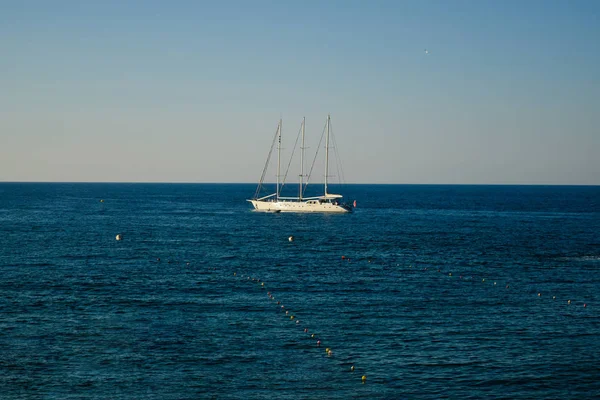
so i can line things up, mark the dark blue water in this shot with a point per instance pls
(436, 295)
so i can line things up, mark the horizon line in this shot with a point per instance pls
(315, 184)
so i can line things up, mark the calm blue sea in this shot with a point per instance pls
(429, 291)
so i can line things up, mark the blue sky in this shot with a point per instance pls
(191, 91)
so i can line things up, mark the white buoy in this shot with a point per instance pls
(119, 237)
(291, 238)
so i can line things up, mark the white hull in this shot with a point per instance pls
(296, 206)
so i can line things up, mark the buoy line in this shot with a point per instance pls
(292, 317)
(472, 278)
(465, 277)
(508, 286)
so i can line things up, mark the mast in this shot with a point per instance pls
(327, 154)
(278, 159)
(301, 160)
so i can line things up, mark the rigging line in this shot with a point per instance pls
(262, 177)
(291, 157)
(314, 159)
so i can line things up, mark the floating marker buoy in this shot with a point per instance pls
(507, 286)
(352, 368)
(329, 353)
(119, 237)
(286, 313)
(539, 295)
(553, 297)
(291, 317)
(262, 284)
(158, 259)
(327, 350)
(450, 274)
(364, 378)
(584, 305)
(483, 280)
(305, 330)
(569, 302)
(318, 342)
(291, 238)
(101, 200)
(343, 257)
(312, 336)
(234, 274)
(297, 321)
(494, 283)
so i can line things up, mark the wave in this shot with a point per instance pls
(581, 258)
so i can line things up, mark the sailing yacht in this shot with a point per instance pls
(325, 203)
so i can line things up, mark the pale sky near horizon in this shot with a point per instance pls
(508, 92)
